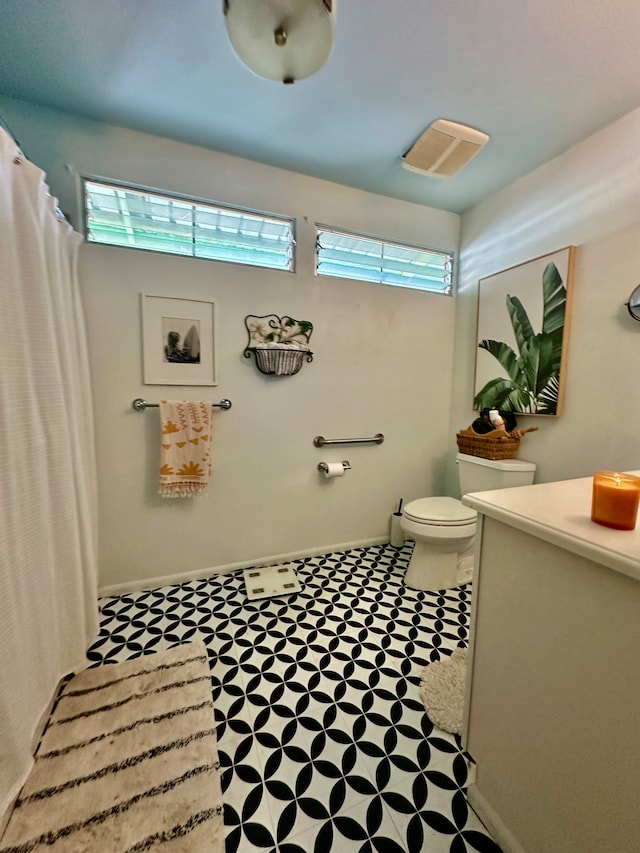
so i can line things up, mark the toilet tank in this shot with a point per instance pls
(480, 475)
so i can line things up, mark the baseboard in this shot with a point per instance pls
(499, 832)
(198, 574)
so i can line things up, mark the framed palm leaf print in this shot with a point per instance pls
(522, 335)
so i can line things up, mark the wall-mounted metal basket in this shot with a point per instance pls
(280, 344)
(278, 362)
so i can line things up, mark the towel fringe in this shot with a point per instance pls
(183, 490)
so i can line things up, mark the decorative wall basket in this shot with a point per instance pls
(280, 344)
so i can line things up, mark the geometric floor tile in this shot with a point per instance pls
(323, 740)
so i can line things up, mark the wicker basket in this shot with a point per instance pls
(488, 446)
(277, 361)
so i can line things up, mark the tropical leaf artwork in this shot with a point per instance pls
(532, 381)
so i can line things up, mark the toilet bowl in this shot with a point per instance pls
(443, 530)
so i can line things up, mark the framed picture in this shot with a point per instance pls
(178, 341)
(522, 335)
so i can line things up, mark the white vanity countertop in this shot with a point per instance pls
(560, 513)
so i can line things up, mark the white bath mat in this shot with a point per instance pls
(442, 691)
(268, 581)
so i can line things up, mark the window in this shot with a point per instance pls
(120, 215)
(345, 255)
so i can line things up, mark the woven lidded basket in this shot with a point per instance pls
(488, 446)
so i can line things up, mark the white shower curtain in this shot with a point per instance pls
(48, 576)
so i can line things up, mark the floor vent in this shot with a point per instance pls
(269, 581)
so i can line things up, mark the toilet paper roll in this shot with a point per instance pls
(334, 469)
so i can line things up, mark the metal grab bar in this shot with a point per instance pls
(140, 405)
(321, 441)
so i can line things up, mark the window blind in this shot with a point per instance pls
(345, 255)
(119, 215)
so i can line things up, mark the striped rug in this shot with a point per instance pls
(128, 763)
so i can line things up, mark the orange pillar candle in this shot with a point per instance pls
(615, 499)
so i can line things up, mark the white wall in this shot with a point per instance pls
(590, 198)
(383, 356)
(383, 363)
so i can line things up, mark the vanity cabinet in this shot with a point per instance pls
(552, 709)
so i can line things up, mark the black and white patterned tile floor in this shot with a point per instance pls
(323, 739)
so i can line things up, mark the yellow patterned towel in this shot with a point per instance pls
(185, 452)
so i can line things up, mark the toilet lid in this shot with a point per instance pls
(441, 511)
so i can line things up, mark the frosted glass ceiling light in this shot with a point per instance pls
(281, 39)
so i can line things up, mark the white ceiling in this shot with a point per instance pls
(537, 75)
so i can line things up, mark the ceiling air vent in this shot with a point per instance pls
(444, 148)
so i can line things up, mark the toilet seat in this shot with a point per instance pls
(439, 511)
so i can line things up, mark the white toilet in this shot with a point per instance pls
(444, 529)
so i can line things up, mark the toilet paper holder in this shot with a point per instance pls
(324, 468)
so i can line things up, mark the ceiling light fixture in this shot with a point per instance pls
(281, 39)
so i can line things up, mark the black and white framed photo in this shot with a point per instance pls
(178, 341)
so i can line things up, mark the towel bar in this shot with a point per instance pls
(140, 405)
(321, 441)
